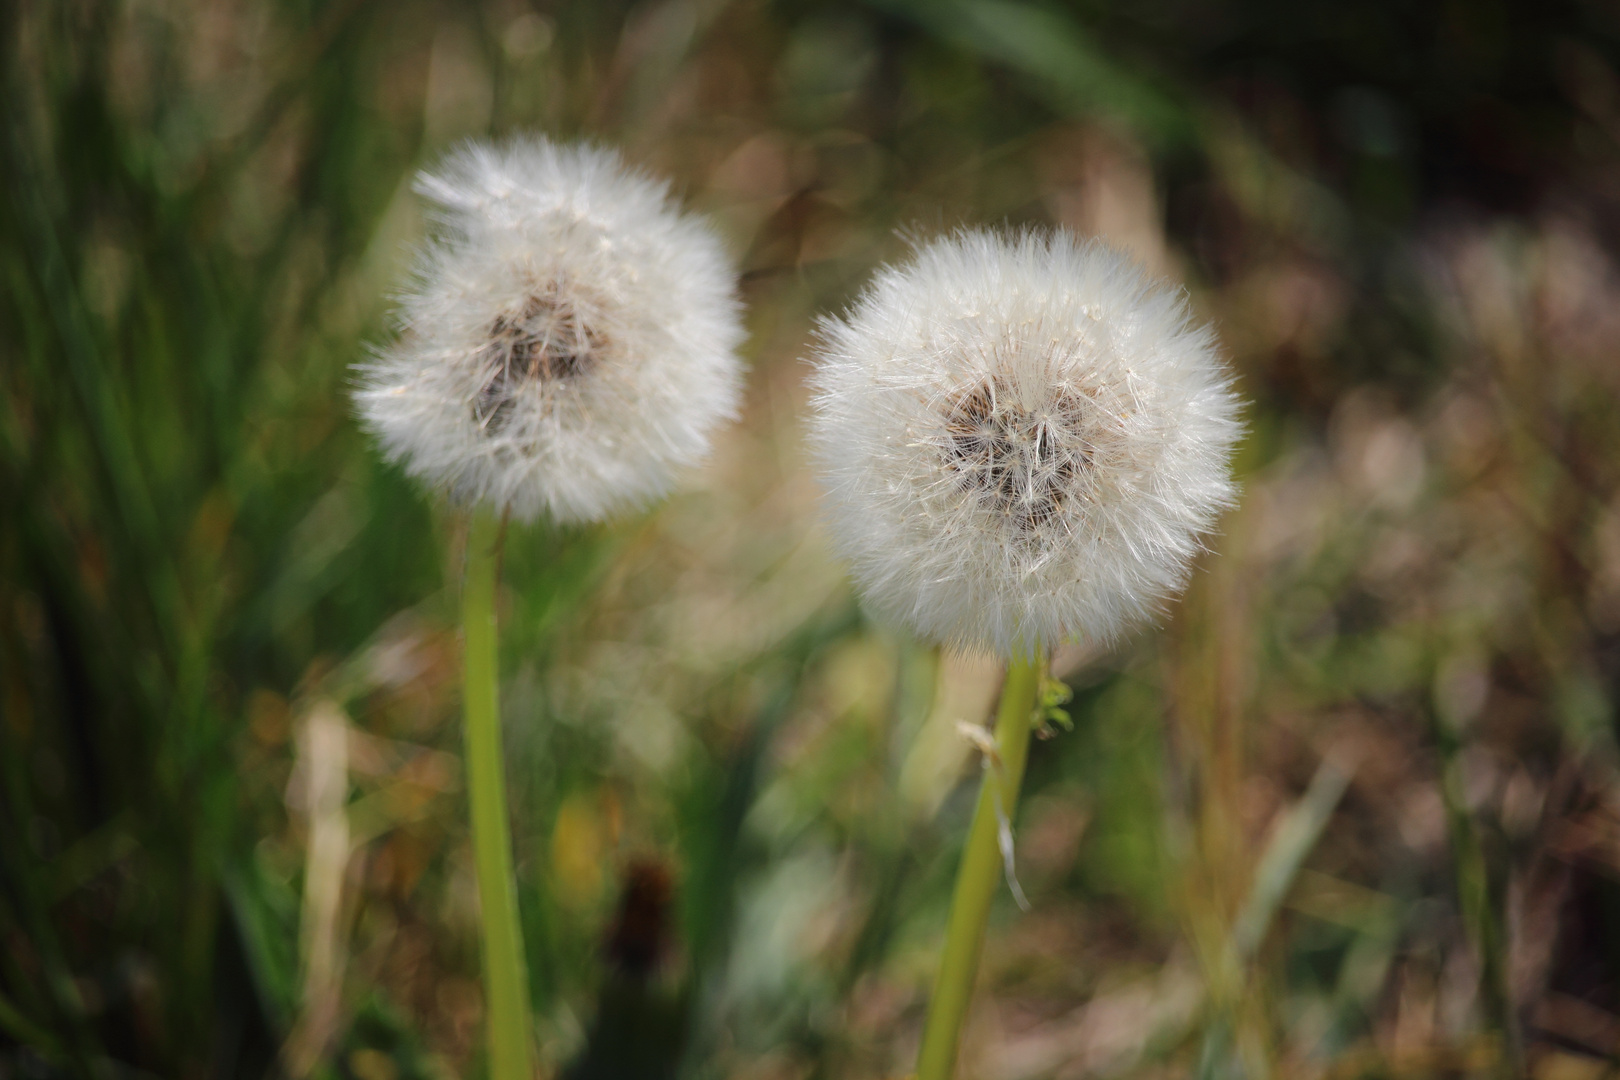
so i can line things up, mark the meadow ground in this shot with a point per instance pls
(1352, 809)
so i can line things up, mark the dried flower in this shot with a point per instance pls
(567, 344)
(1023, 438)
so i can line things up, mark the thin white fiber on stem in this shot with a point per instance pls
(1023, 439)
(567, 345)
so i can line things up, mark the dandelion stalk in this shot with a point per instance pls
(506, 984)
(980, 873)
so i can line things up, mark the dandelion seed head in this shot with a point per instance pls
(567, 343)
(1023, 440)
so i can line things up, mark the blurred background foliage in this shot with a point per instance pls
(1353, 811)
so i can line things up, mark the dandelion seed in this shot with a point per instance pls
(567, 344)
(1023, 439)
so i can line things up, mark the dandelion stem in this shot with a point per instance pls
(506, 989)
(980, 873)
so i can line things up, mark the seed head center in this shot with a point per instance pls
(1020, 463)
(546, 343)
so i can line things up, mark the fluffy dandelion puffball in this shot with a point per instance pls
(567, 343)
(1023, 438)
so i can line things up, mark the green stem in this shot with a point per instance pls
(506, 987)
(980, 874)
(1473, 880)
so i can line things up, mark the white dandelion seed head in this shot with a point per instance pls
(567, 342)
(1022, 438)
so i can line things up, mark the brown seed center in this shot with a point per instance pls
(547, 342)
(1020, 463)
